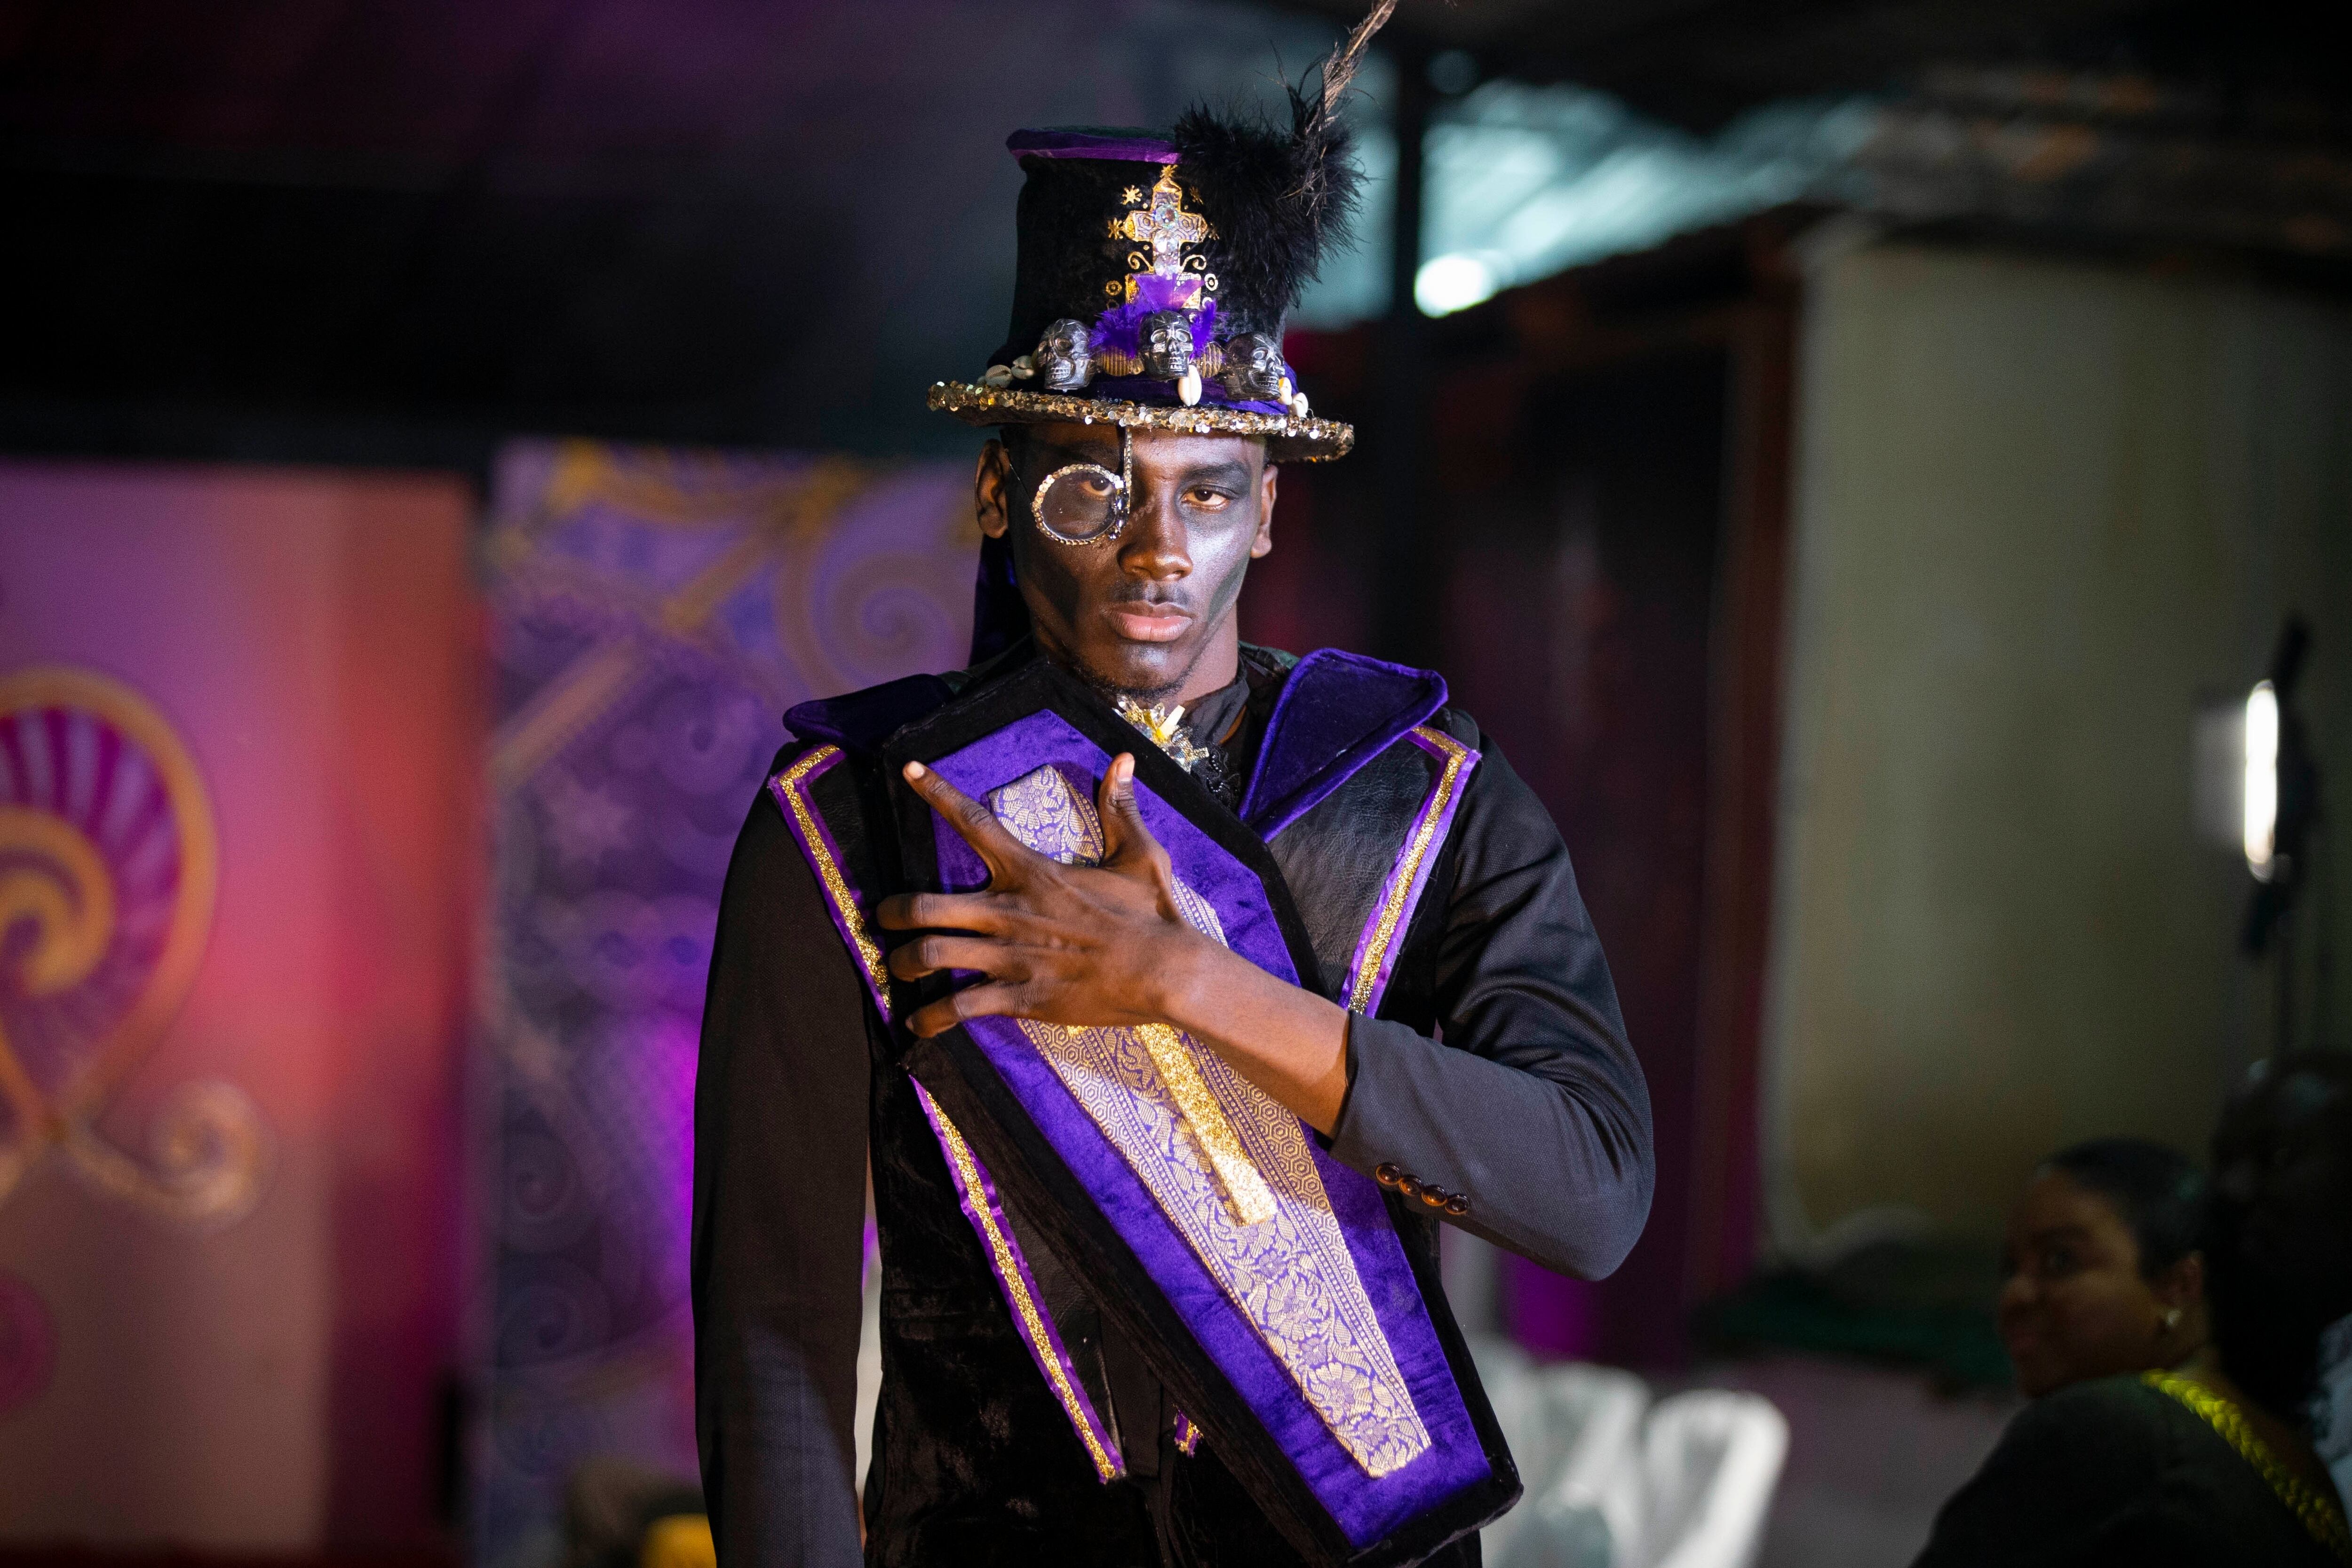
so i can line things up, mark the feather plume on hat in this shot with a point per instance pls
(1282, 199)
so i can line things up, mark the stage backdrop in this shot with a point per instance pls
(239, 736)
(653, 613)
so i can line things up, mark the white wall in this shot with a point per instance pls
(2042, 510)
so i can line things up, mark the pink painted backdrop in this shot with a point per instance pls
(230, 1304)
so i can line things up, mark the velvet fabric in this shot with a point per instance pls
(794, 798)
(1066, 264)
(975, 1460)
(1336, 713)
(1365, 1509)
(1123, 146)
(794, 783)
(985, 1209)
(862, 721)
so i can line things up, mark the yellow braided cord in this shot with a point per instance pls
(2321, 1513)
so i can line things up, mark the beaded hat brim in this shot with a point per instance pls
(1289, 438)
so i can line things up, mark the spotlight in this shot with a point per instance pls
(2280, 808)
(2261, 780)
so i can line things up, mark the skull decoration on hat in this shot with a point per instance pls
(1156, 270)
(1255, 373)
(1167, 347)
(1065, 361)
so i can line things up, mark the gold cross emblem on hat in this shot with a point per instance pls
(1164, 225)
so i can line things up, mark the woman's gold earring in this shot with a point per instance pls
(2172, 1317)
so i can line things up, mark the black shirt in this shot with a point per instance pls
(2113, 1471)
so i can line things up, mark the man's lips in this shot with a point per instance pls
(1151, 623)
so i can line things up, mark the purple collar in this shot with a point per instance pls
(1336, 713)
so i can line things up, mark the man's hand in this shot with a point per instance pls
(1081, 945)
(1104, 945)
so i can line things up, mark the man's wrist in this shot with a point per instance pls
(1183, 980)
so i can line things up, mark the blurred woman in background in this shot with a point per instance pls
(2211, 1462)
(2101, 1273)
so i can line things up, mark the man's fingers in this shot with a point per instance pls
(1126, 836)
(978, 827)
(942, 911)
(990, 999)
(930, 955)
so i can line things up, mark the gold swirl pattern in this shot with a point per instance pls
(107, 879)
(1291, 1275)
(1408, 865)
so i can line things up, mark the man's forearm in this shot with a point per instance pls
(1290, 1042)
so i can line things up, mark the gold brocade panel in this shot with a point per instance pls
(1288, 1269)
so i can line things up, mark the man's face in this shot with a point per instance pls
(1136, 613)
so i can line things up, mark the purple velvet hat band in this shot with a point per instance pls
(1128, 147)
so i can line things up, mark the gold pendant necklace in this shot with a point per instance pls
(1166, 728)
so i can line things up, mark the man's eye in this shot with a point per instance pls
(1203, 496)
(2058, 1260)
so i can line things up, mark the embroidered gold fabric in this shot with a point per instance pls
(1291, 1274)
(1245, 1189)
(2323, 1516)
(1036, 809)
(1408, 865)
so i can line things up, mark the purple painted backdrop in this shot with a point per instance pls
(653, 613)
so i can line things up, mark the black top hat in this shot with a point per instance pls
(1155, 271)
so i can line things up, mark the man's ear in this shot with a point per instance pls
(1263, 542)
(991, 486)
(2183, 1284)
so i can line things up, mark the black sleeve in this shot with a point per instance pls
(1533, 1108)
(780, 1117)
(2076, 1480)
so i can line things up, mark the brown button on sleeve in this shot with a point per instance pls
(1387, 1175)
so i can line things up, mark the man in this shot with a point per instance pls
(1023, 1419)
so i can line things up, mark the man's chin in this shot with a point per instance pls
(1148, 672)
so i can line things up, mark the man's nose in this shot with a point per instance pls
(1157, 545)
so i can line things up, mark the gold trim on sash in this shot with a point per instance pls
(829, 871)
(1434, 811)
(1010, 1273)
